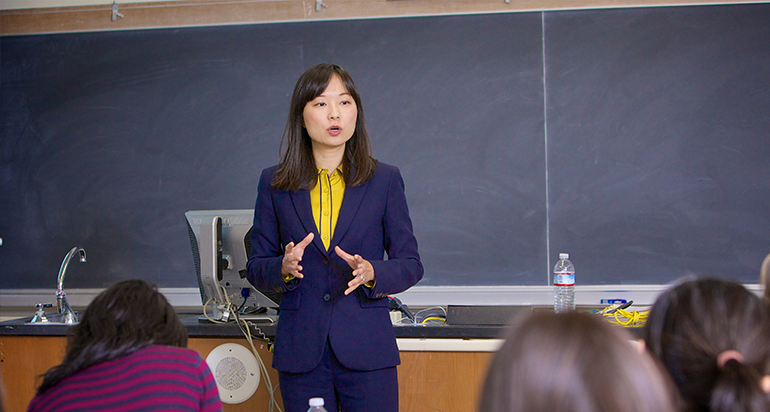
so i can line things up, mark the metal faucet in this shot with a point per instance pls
(66, 312)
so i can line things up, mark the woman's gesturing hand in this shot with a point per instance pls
(293, 255)
(363, 272)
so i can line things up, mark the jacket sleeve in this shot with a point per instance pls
(263, 269)
(403, 268)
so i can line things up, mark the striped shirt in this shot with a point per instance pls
(156, 378)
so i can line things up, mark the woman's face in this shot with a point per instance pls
(330, 118)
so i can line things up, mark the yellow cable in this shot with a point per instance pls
(625, 318)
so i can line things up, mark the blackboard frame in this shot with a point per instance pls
(475, 110)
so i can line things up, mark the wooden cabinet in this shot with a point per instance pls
(428, 381)
(441, 381)
(22, 360)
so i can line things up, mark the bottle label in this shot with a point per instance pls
(564, 279)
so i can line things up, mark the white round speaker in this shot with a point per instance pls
(236, 371)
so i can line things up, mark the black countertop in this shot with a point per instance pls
(477, 322)
(203, 329)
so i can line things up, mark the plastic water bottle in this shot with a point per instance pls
(316, 405)
(563, 285)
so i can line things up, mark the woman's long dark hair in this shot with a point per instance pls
(297, 169)
(127, 316)
(692, 323)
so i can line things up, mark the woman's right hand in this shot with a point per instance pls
(293, 255)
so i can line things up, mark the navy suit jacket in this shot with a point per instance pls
(373, 220)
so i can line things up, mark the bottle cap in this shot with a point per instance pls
(563, 255)
(316, 402)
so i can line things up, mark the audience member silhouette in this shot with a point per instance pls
(713, 336)
(574, 362)
(126, 354)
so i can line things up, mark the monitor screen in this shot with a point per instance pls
(220, 241)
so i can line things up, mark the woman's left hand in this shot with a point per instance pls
(363, 272)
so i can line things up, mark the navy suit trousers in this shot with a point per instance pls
(343, 389)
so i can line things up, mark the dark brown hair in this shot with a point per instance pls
(127, 316)
(296, 169)
(573, 362)
(692, 323)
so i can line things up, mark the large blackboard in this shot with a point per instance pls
(635, 139)
(659, 141)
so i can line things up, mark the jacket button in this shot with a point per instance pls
(326, 261)
(327, 297)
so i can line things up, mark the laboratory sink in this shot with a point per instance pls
(54, 319)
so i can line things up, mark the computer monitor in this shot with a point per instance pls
(220, 241)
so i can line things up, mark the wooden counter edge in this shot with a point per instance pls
(195, 13)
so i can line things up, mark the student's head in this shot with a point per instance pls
(297, 147)
(573, 362)
(713, 336)
(125, 317)
(129, 314)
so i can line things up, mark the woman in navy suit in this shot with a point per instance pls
(324, 218)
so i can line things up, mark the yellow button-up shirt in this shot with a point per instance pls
(326, 199)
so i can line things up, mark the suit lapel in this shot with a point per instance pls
(350, 204)
(301, 201)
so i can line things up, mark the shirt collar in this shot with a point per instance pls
(339, 170)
